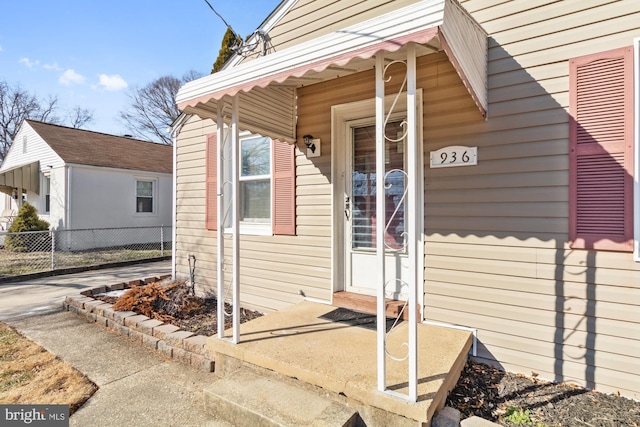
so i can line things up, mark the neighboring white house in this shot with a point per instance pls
(79, 179)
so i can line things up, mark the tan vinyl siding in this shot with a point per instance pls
(273, 269)
(309, 19)
(496, 251)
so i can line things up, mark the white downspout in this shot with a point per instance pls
(174, 205)
(67, 219)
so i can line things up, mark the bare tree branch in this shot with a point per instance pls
(153, 108)
(79, 117)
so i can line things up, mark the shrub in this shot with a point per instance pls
(27, 220)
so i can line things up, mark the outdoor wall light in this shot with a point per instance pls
(313, 146)
(308, 141)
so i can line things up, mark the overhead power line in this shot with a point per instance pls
(242, 48)
(220, 16)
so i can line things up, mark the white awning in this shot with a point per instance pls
(23, 178)
(266, 85)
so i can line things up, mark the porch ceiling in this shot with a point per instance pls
(266, 86)
(24, 178)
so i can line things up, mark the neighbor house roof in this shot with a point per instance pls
(84, 147)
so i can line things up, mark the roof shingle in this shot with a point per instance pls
(78, 146)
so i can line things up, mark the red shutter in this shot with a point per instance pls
(601, 151)
(211, 186)
(284, 188)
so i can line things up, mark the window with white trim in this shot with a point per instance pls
(47, 193)
(255, 180)
(145, 195)
(266, 187)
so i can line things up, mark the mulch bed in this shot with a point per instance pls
(482, 390)
(493, 394)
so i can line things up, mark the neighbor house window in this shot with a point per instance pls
(144, 196)
(47, 194)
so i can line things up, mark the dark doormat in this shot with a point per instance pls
(356, 318)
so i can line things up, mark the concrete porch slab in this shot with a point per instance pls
(298, 343)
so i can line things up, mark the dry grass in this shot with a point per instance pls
(31, 375)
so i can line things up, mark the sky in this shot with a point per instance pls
(91, 53)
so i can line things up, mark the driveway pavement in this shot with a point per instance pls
(137, 386)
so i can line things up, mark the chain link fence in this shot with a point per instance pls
(38, 251)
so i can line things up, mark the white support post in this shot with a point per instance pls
(235, 215)
(380, 224)
(412, 208)
(220, 218)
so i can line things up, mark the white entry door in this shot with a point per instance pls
(360, 210)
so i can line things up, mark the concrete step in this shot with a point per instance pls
(248, 398)
(368, 304)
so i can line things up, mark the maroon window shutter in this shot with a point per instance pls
(284, 188)
(211, 186)
(601, 151)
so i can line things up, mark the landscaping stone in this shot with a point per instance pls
(132, 321)
(196, 344)
(150, 341)
(182, 355)
(91, 305)
(119, 316)
(135, 335)
(446, 417)
(165, 348)
(168, 339)
(99, 309)
(147, 326)
(164, 330)
(177, 338)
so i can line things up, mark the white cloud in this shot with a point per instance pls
(70, 77)
(29, 63)
(113, 82)
(53, 66)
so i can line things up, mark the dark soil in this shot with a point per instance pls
(482, 390)
(505, 398)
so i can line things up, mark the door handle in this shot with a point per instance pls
(347, 207)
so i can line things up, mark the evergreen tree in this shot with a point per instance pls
(229, 40)
(27, 220)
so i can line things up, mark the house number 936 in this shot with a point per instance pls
(454, 156)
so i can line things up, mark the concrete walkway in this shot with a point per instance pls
(137, 386)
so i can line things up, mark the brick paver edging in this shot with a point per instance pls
(166, 338)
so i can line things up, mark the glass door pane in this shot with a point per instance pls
(363, 188)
